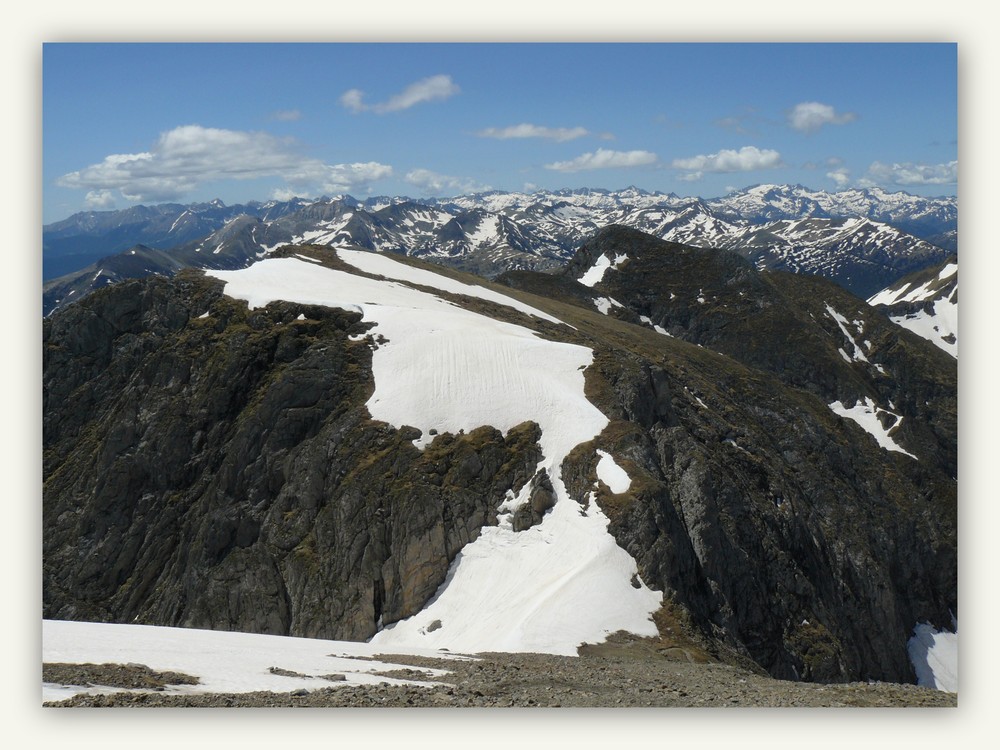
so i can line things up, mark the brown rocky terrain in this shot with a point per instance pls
(623, 673)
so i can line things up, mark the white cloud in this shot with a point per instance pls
(691, 176)
(287, 115)
(604, 159)
(431, 89)
(526, 130)
(439, 184)
(809, 117)
(314, 176)
(190, 155)
(99, 199)
(746, 159)
(840, 176)
(282, 194)
(913, 174)
(353, 99)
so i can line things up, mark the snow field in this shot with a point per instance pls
(381, 265)
(934, 326)
(916, 294)
(549, 588)
(224, 662)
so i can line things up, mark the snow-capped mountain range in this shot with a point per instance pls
(863, 239)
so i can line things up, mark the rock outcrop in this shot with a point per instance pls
(207, 466)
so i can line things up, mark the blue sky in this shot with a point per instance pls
(149, 123)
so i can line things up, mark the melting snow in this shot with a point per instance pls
(859, 355)
(224, 662)
(604, 304)
(651, 324)
(548, 588)
(934, 655)
(596, 272)
(865, 413)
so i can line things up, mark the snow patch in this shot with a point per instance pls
(865, 413)
(596, 272)
(612, 474)
(934, 655)
(604, 304)
(659, 329)
(859, 355)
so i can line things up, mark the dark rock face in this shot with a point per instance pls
(784, 530)
(540, 499)
(784, 324)
(784, 539)
(222, 472)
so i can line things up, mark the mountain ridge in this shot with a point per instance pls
(488, 233)
(211, 463)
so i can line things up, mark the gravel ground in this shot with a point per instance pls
(623, 675)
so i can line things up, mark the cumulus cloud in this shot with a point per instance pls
(431, 89)
(913, 174)
(190, 155)
(808, 117)
(439, 184)
(314, 176)
(604, 159)
(282, 194)
(99, 199)
(526, 130)
(746, 159)
(840, 176)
